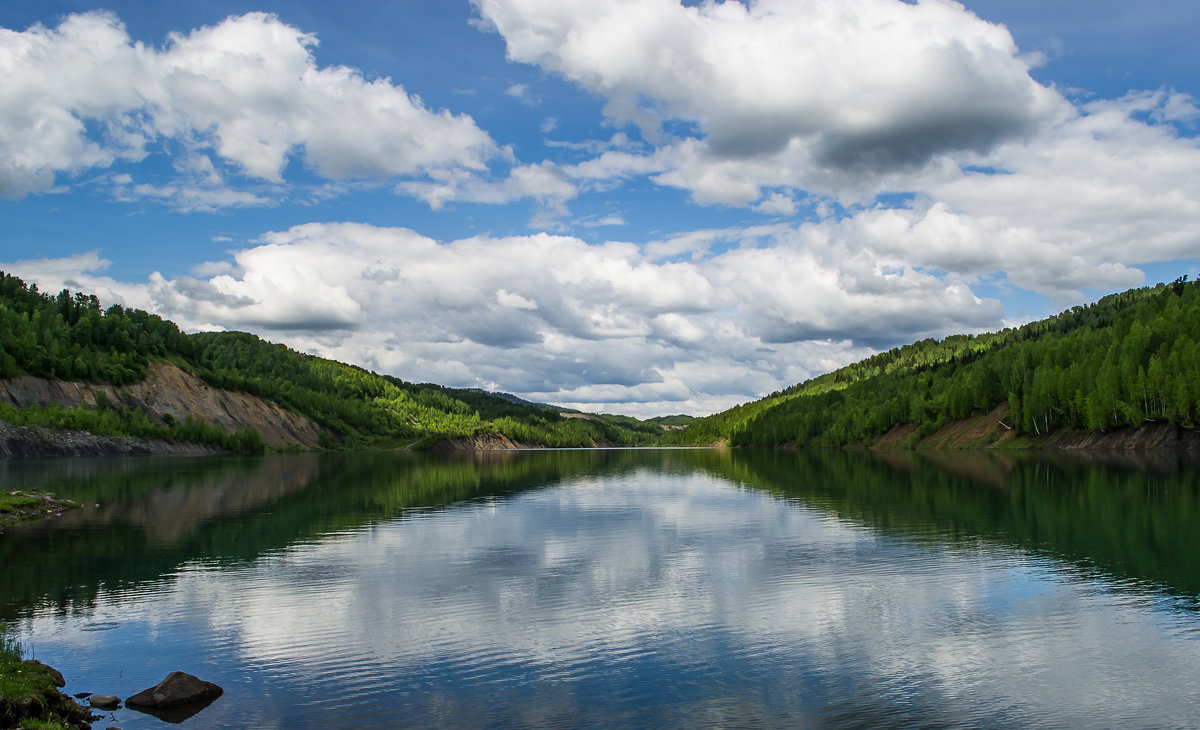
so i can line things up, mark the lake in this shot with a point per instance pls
(622, 588)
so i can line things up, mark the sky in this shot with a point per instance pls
(633, 206)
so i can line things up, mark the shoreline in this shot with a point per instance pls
(19, 442)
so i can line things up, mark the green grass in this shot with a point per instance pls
(19, 681)
(11, 503)
(29, 697)
(16, 507)
(30, 723)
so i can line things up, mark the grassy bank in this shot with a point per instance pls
(29, 695)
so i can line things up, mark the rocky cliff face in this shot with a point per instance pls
(481, 442)
(169, 390)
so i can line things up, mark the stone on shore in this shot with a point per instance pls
(178, 688)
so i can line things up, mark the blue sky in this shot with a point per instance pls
(634, 206)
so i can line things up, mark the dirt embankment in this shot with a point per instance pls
(994, 430)
(482, 442)
(169, 390)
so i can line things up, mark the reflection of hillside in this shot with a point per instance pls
(994, 468)
(177, 509)
(1131, 517)
(157, 514)
(1110, 513)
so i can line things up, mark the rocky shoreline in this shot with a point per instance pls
(176, 698)
(34, 441)
(51, 705)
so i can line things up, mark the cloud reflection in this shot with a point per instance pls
(675, 598)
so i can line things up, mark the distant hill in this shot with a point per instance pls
(1129, 359)
(68, 338)
(515, 399)
(680, 420)
(672, 423)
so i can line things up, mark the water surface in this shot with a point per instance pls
(620, 588)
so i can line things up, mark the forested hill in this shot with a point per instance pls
(1125, 360)
(69, 337)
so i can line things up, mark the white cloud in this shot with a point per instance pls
(521, 93)
(777, 204)
(612, 219)
(835, 103)
(544, 182)
(606, 327)
(247, 90)
(854, 89)
(1076, 207)
(54, 80)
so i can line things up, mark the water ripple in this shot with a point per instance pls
(641, 599)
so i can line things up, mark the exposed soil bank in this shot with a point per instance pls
(169, 390)
(993, 430)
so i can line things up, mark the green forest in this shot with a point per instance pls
(69, 336)
(1127, 359)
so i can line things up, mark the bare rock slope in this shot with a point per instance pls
(169, 390)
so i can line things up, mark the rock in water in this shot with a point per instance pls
(105, 702)
(178, 688)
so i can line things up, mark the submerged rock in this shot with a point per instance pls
(178, 688)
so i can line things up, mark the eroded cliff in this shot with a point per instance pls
(168, 390)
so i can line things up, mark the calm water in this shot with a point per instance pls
(621, 588)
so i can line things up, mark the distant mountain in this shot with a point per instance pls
(515, 399)
(680, 420)
(1129, 359)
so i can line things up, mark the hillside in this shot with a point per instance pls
(1085, 378)
(65, 363)
(1128, 360)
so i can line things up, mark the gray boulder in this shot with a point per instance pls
(105, 702)
(178, 688)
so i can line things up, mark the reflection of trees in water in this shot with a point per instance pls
(157, 514)
(1130, 515)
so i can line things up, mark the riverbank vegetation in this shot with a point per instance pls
(29, 695)
(1127, 359)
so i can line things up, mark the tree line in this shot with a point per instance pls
(69, 336)
(1128, 358)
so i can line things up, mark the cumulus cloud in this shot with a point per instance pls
(852, 88)
(544, 182)
(603, 327)
(1077, 207)
(826, 108)
(247, 90)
